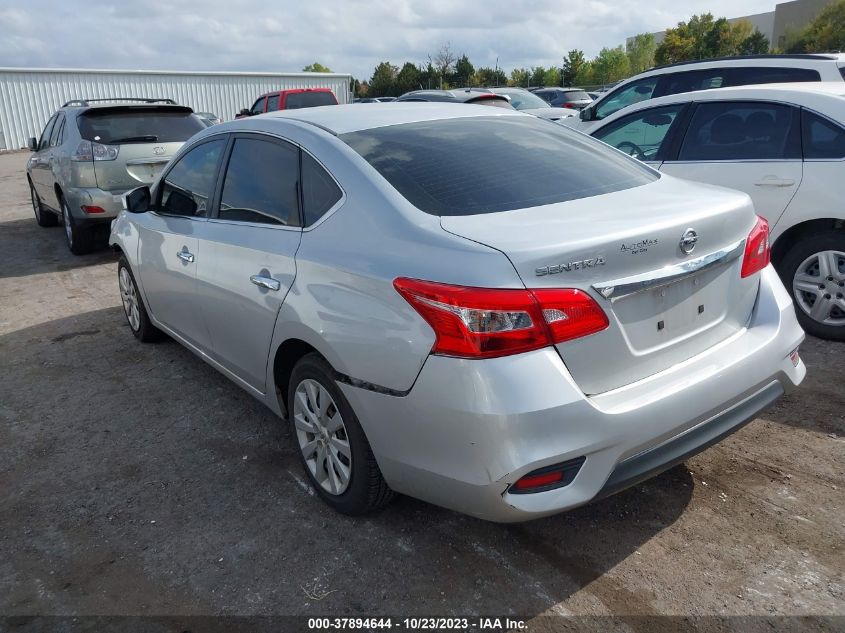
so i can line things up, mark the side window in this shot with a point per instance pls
(822, 138)
(632, 93)
(544, 95)
(189, 185)
(641, 134)
(258, 106)
(741, 131)
(44, 141)
(261, 183)
(58, 131)
(319, 191)
(273, 103)
(693, 80)
(769, 75)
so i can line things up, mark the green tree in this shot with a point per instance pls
(640, 51)
(490, 77)
(754, 44)
(825, 33)
(538, 76)
(585, 75)
(611, 64)
(688, 40)
(520, 77)
(573, 65)
(464, 70)
(316, 67)
(408, 79)
(383, 82)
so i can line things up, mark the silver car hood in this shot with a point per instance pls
(553, 114)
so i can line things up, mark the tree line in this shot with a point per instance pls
(700, 37)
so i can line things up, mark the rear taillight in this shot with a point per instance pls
(486, 322)
(757, 251)
(548, 478)
(87, 151)
(92, 209)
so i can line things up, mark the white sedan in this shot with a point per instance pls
(784, 145)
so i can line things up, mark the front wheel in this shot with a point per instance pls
(332, 445)
(42, 217)
(133, 305)
(814, 270)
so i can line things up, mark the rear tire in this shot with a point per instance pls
(42, 217)
(80, 240)
(813, 271)
(133, 305)
(324, 428)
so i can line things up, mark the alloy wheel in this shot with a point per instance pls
(819, 287)
(129, 296)
(67, 223)
(322, 436)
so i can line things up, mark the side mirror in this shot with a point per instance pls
(33, 144)
(658, 120)
(245, 112)
(138, 200)
(586, 114)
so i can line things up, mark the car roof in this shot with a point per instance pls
(342, 119)
(800, 93)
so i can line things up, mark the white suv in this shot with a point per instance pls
(782, 144)
(707, 74)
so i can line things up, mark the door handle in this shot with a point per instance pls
(773, 181)
(265, 282)
(185, 256)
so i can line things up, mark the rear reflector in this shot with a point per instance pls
(549, 477)
(757, 250)
(90, 209)
(794, 357)
(487, 322)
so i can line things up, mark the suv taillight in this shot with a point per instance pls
(87, 151)
(757, 251)
(487, 322)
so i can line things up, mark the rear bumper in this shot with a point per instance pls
(468, 429)
(110, 202)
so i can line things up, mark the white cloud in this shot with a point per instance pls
(348, 36)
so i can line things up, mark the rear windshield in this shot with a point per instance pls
(138, 126)
(577, 95)
(309, 100)
(476, 165)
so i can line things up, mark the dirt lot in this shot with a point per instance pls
(134, 479)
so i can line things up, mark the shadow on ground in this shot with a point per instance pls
(138, 480)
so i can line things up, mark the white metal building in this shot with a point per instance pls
(29, 96)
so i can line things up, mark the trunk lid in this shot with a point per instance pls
(143, 136)
(624, 249)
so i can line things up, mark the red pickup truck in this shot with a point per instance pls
(289, 100)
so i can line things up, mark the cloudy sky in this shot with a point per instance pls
(346, 35)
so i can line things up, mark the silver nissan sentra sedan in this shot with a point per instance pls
(467, 305)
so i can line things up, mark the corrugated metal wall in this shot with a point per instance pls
(29, 97)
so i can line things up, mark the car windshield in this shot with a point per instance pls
(150, 125)
(523, 100)
(309, 100)
(476, 165)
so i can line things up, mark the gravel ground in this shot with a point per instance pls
(136, 480)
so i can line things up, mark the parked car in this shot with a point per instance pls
(93, 150)
(289, 100)
(527, 102)
(209, 118)
(571, 98)
(783, 145)
(463, 304)
(478, 96)
(711, 73)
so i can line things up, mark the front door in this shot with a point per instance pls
(168, 248)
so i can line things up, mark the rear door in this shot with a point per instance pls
(248, 248)
(752, 146)
(132, 144)
(168, 248)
